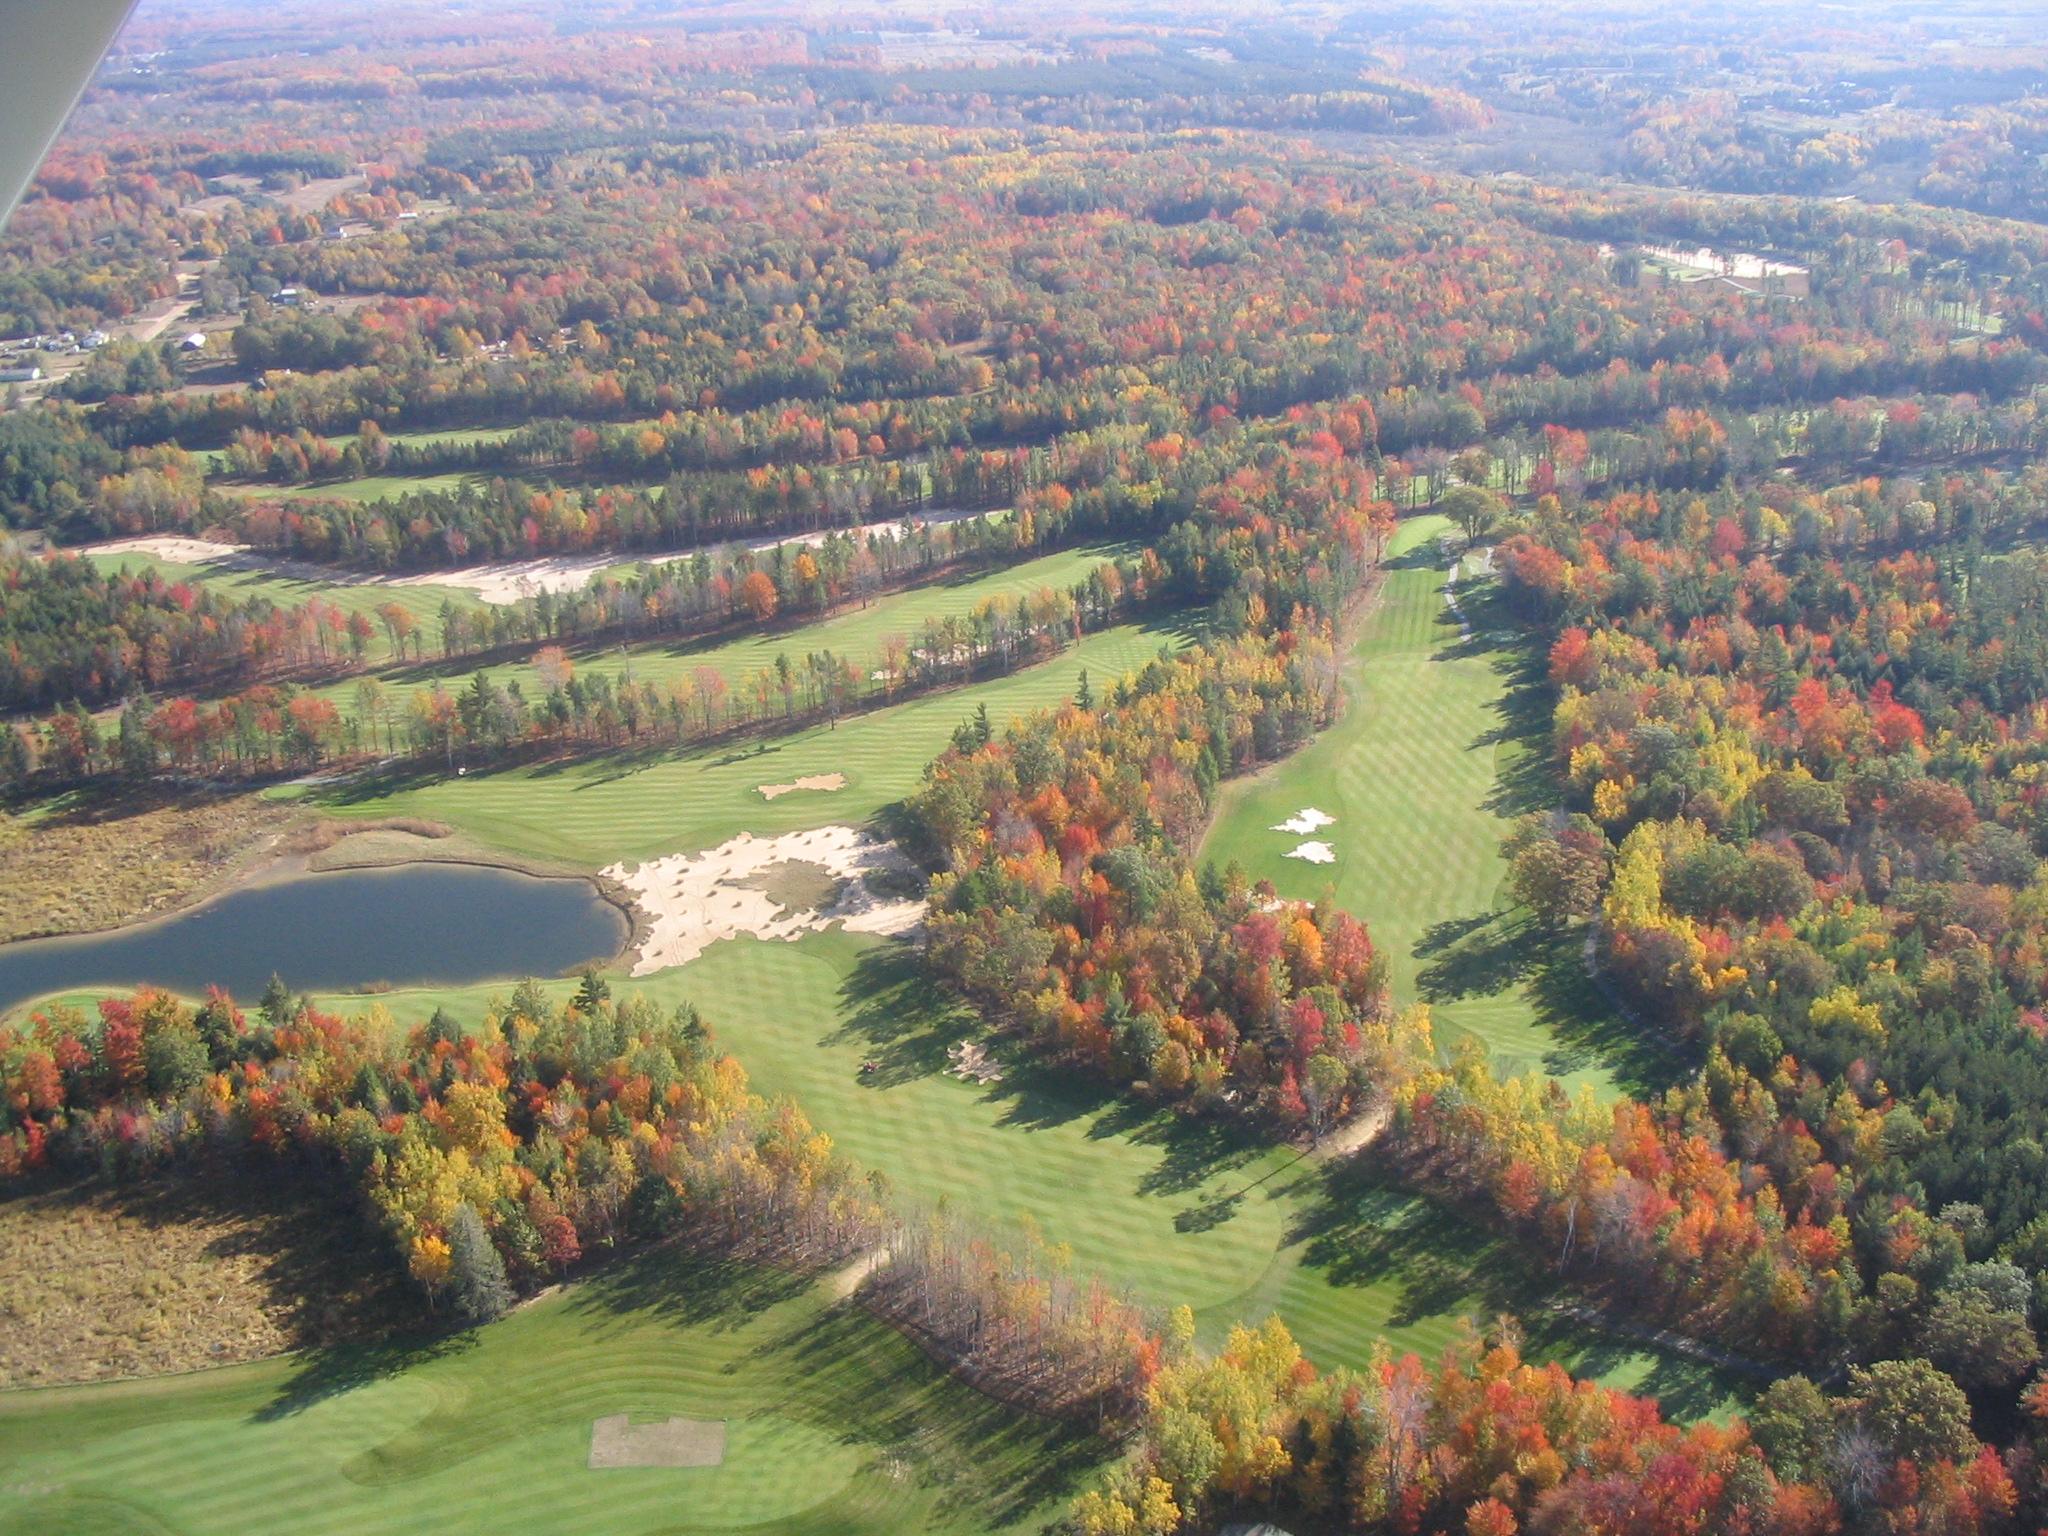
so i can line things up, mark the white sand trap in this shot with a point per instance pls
(1315, 853)
(182, 551)
(617, 1441)
(823, 781)
(692, 900)
(1303, 822)
(498, 583)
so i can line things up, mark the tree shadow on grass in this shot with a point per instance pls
(853, 1377)
(1361, 1230)
(1476, 956)
(687, 1287)
(323, 1373)
(1591, 1031)
(1486, 955)
(899, 1016)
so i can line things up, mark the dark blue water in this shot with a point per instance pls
(413, 925)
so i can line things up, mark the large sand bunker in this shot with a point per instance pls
(1314, 853)
(617, 1441)
(692, 900)
(499, 582)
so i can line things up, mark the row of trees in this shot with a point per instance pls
(1487, 1443)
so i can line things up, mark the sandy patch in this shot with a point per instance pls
(1305, 821)
(618, 1442)
(972, 1063)
(1451, 596)
(499, 583)
(822, 781)
(692, 900)
(846, 1281)
(184, 551)
(1314, 853)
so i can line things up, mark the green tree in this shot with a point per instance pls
(1795, 1425)
(1476, 511)
(1913, 1410)
(477, 1273)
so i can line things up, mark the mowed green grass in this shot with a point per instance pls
(590, 812)
(1439, 747)
(1166, 1208)
(834, 1423)
(367, 488)
(422, 602)
(855, 633)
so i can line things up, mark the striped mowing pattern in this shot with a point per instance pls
(1172, 1210)
(1411, 771)
(624, 805)
(835, 1424)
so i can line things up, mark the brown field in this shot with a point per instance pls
(99, 1282)
(79, 863)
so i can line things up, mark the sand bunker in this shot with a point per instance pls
(692, 900)
(498, 583)
(1314, 853)
(824, 781)
(971, 1063)
(618, 1442)
(1303, 822)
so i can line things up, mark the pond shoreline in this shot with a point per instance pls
(369, 850)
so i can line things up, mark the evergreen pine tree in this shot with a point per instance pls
(477, 1273)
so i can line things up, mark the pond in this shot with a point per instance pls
(412, 925)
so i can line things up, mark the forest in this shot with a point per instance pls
(1059, 457)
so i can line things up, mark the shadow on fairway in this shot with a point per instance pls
(323, 1373)
(1360, 1230)
(685, 1287)
(843, 1372)
(1486, 954)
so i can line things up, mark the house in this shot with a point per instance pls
(287, 297)
(92, 341)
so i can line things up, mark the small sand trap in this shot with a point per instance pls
(824, 781)
(692, 900)
(1314, 853)
(1303, 822)
(970, 1063)
(618, 1442)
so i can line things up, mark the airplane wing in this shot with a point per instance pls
(48, 50)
